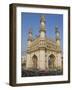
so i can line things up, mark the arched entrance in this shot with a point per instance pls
(51, 61)
(34, 59)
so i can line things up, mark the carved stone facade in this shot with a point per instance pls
(44, 53)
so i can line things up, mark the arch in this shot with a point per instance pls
(51, 61)
(34, 60)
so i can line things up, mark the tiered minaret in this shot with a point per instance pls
(30, 37)
(42, 27)
(57, 37)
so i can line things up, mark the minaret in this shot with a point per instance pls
(30, 37)
(42, 27)
(57, 37)
(42, 64)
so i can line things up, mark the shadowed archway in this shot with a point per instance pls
(51, 61)
(34, 59)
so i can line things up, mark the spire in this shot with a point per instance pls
(57, 37)
(42, 24)
(56, 28)
(42, 19)
(57, 33)
(30, 35)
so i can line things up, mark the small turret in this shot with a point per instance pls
(57, 37)
(30, 37)
(42, 27)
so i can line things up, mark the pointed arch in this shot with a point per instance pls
(34, 60)
(51, 61)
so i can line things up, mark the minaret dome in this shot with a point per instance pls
(42, 26)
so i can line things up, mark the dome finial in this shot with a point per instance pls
(30, 30)
(30, 34)
(42, 18)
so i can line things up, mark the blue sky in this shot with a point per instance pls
(33, 20)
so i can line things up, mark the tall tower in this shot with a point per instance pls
(58, 60)
(30, 37)
(42, 27)
(57, 37)
(42, 40)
